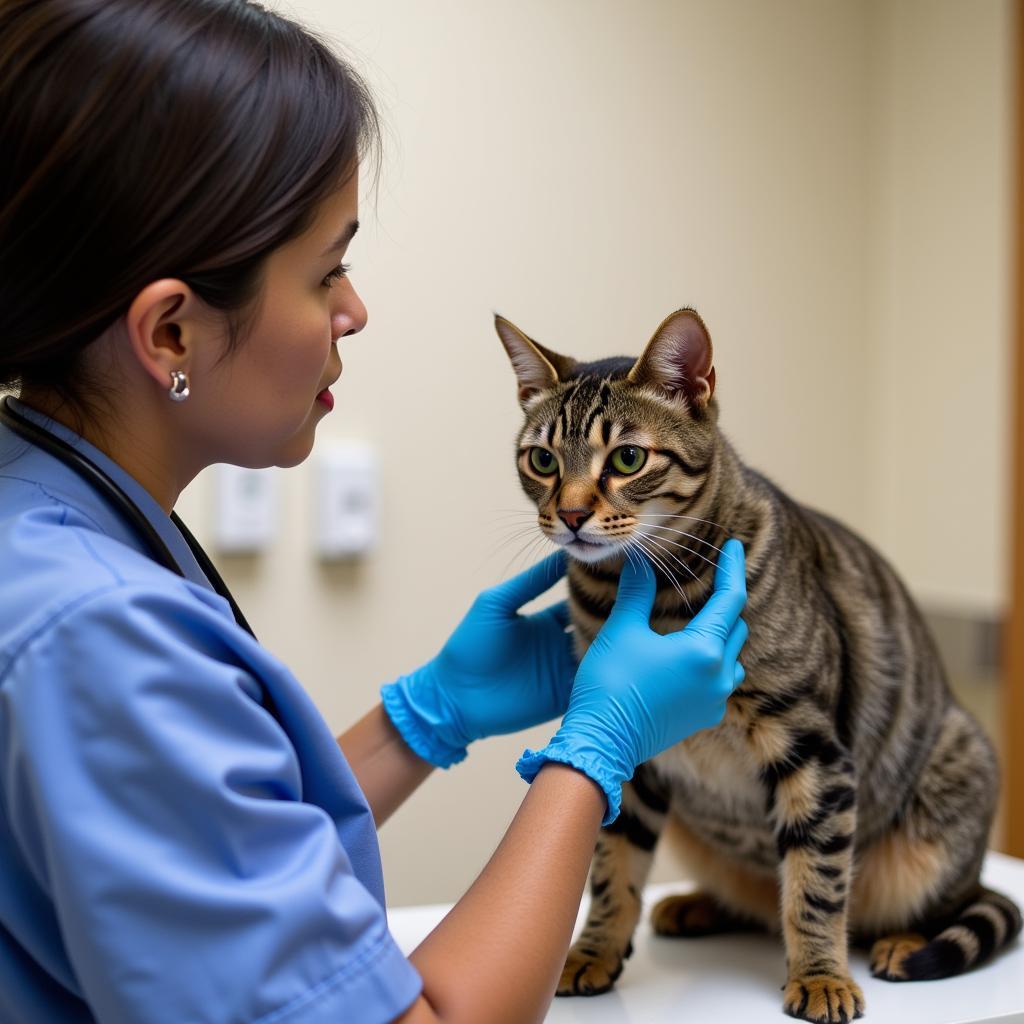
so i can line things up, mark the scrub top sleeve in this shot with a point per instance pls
(161, 808)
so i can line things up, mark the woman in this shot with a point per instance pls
(181, 838)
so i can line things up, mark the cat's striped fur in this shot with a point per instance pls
(845, 794)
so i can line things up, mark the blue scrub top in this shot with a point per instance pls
(181, 839)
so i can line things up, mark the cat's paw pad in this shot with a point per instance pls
(823, 999)
(692, 915)
(589, 971)
(888, 955)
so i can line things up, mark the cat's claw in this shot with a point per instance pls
(823, 999)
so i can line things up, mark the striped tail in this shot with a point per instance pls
(988, 924)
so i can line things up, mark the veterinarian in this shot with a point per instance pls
(181, 836)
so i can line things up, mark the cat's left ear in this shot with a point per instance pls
(679, 360)
(536, 367)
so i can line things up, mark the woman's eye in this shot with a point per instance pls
(628, 459)
(543, 461)
(336, 274)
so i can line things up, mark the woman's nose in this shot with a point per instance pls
(349, 316)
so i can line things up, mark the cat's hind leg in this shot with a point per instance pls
(693, 915)
(889, 953)
(618, 873)
(988, 923)
(923, 874)
(730, 896)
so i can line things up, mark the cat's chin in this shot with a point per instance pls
(591, 553)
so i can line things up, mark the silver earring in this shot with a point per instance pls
(178, 390)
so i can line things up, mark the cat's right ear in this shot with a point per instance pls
(679, 361)
(537, 368)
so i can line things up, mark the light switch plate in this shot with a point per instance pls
(346, 499)
(245, 520)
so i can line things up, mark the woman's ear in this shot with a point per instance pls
(161, 325)
(537, 368)
(678, 361)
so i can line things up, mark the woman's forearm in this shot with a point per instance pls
(385, 768)
(497, 956)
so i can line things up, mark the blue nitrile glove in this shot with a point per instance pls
(499, 671)
(637, 692)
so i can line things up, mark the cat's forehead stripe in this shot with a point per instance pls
(577, 415)
(563, 412)
(578, 405)
(600, 403)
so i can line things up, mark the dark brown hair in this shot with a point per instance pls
(155, 138)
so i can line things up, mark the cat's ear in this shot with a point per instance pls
(679, 360)
(536, 367)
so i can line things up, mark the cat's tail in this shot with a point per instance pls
(988, 924)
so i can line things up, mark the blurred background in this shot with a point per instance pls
(830, 183)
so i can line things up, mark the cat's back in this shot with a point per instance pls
(824, 568)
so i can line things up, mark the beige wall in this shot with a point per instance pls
(585, 167)
(940, 169)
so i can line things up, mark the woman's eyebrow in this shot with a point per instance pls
(343, 239)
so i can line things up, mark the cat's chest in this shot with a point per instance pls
(714, 771)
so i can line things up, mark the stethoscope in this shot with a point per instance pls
(112, 492)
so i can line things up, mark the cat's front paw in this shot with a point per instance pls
(823, 998)
(589, 971)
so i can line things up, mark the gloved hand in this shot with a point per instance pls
(499, 671)
(637, 692)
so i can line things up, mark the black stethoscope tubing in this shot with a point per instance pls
(113, 493)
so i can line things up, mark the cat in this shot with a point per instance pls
(845, 793)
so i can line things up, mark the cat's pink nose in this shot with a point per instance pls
(574, 518)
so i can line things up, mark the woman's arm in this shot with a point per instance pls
(496, 958)
(497, 955)
(504, 943)
(384, 766)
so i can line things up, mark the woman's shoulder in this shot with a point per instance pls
(119, 647)
(62, 572)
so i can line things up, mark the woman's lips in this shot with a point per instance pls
(326, 398)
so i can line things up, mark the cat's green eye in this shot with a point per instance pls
(628, 459)
(543, 461)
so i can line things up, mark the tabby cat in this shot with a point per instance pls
(845, 793)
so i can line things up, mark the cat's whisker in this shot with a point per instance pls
(663, 553)
(677, 515)
(629, 555)
(522, 517)
(669, 575)
(518, 534)
(501, 545)
(515, 532)
(636, 562)
(526, 550)
(512, 530)
(686, 548)
(669, 554)
(676, 558)
(692, 536)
